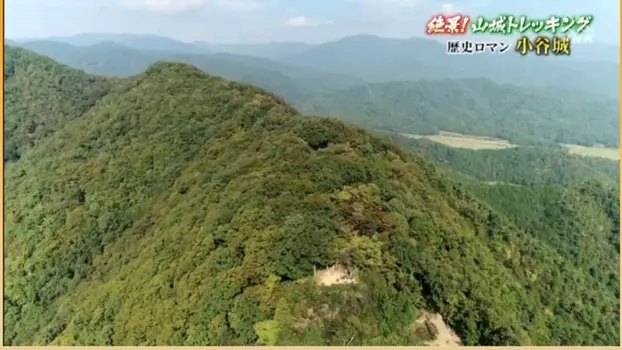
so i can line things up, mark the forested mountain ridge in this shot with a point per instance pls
(377, 59)
(476, 107)
(473, 106)
(41, 96)
(183, 209)
(112, 59)
(592, 68)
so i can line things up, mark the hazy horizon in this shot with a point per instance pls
(230, 22)
(250, 43)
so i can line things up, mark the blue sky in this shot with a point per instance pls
(243, 21)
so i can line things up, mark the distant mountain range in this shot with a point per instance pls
(374, 59)
(273, 50)
(283, 50)
(381, 60)
(476, 106)
(143, 42)
(472, 95)
(294, 83)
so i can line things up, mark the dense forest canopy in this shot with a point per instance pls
(554, 195)
(40, 96)
(477, 107)
(178, 208)
(524, 165)
(381, 60)
(524, 113)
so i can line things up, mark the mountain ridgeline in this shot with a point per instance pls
(377, 59)
(529, 116)
(591, 68)
(533, 111)
(114, 59)
(178, 208)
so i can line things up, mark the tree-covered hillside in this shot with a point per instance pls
(473, 106)
(183, 209)
(295, 84)
(378, 59)
(569, 219)
(530, 166)
(40, 97)
(477, 107)
(557, 197)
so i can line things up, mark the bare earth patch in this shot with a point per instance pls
(456, 140)
(601, 152)
(429, 326)
(336, 274)
(434, 327)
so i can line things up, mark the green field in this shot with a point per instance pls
(475, 142)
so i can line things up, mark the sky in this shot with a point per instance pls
(256, 21)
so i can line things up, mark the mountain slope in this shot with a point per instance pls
(378, 59)
(580, 222)
(40, 97)
(568, 202)
(295, 84)
(476, 107)
(568, 219)
(316, 79)
(100, 59)
(187, 210)
(529, 166)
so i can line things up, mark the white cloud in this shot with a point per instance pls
(302, 21)
(298, 22)
(448, 8)
(164, 6)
